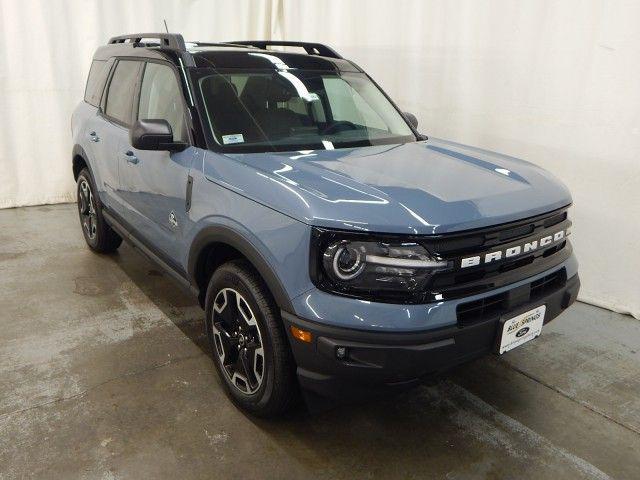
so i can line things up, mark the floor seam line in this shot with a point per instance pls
(98, 385)
(508, 421)
(572, 399)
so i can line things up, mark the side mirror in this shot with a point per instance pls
(411, 118)
(154, 134)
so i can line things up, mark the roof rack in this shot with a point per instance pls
(171, 40)
(214, 44)
(176, 41)
(309, 47)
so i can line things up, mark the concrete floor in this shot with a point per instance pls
(105, 373)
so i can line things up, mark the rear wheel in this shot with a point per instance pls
(248, 342)
(97, 233)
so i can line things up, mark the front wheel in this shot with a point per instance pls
(248, 342)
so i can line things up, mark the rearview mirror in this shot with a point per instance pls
(411, 118)
(154, 134)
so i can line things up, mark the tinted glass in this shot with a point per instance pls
(161, 98)
(95, 82)
(291, 109)
(121, 88)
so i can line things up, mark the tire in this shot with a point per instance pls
(241, 316)
(97, 233)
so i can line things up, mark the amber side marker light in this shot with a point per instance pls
(300, 334)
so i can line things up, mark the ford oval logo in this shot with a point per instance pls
(522, 332)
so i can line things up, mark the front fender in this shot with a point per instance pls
(231, 237)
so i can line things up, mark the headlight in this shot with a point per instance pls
(344, 260)
(387, 268)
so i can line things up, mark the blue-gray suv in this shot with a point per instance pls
(336, 251)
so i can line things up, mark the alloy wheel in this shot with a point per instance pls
(87, 208)
(238, 341)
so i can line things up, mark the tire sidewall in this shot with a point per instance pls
(233, 278)
(85, 175)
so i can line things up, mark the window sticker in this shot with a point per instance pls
(327, 145)
(234, 138)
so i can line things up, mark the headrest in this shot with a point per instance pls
(261, 89)
(278, 92)
(218, 86)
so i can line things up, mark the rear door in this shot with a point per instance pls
(116, 119)
(153, 184)
(94, 127)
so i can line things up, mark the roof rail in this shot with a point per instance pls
(198, 43)
(309, 47)
(170, 40)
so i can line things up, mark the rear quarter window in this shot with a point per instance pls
(95, 82)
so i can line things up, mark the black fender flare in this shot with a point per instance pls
(231, 237)
(78, 151)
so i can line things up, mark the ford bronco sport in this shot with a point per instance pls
(335, 250)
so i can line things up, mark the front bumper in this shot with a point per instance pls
(379, 361)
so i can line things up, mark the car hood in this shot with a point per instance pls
(426, 187)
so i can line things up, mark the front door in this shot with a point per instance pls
(153, 184)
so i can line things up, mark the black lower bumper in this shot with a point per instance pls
(376, 361)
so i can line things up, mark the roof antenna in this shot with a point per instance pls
(165, 25)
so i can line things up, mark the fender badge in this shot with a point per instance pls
(173, 220)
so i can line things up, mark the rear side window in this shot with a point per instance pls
(121, 88)
(95, 82)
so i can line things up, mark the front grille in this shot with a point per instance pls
(547, 284)
(517, 232)
(466, 242)
(494, 306)
(478, 310)
(459, 282)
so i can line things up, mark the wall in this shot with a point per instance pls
(555, 83)
(45, 54)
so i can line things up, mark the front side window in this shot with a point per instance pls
(121, 88)
(293, 109)
(161, 98)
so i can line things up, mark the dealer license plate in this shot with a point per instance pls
(521, 328)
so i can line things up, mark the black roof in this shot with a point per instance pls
(256, 59)
(246, 54)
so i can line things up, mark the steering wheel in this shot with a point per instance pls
(339, 126)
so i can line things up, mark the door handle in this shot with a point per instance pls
(93, 136)
(131, 158)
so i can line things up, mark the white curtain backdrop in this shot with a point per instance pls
(45, 53)
(553, 82)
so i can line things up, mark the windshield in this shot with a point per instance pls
(298, 110)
